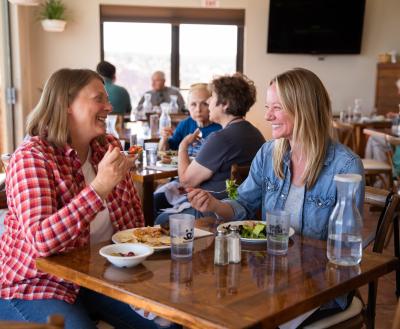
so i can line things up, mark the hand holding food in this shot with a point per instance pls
(111, 170)
(201, 200)
(191, 138)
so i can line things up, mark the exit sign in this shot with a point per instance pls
(210, 3)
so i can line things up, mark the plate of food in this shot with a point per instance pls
(251, 230)
(154, 236)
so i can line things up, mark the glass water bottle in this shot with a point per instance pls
(345, 223)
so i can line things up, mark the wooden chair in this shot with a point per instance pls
(372, 168)
(55, 321)
(396, 320)
(239, 173)
(3, 199)
(390, 204)
(344, 133)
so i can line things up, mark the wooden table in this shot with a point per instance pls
(146, 179)
(198, 294)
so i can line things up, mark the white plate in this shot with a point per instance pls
(243, 222)
(170, 165)
(198, 233)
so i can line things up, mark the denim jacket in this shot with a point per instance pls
(263, 189)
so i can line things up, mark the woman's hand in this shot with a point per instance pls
(201, 200)
(190, 139)
(166, 133)
(111, 170)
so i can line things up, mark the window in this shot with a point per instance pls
(205, 51)
(137, 49)
(189, 45)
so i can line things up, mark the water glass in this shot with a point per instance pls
(151, 157)
(151, 153)
(182, 233)
(278, 223)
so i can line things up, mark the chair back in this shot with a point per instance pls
(344, 133)
(390, 204)
(239, 173)
(396, 320)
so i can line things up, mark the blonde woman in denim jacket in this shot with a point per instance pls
(297, 165)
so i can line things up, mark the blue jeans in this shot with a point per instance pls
(88, 306)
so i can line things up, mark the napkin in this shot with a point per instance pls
(161, 168)
(172, 193)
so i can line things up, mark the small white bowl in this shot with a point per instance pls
(141, 251)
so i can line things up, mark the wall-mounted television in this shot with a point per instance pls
(315, 26)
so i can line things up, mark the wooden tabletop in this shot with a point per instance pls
(199, 294)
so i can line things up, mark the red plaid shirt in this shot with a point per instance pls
(50, 210)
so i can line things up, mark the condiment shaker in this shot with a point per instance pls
(234, 251)
(220, 249)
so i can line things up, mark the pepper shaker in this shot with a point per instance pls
(234, 251)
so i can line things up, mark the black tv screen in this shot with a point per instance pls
(315, 26)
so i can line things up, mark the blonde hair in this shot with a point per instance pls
(305, 98)
(49, 119)
(196, 87)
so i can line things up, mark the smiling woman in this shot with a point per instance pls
(68, 185)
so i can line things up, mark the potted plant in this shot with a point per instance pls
(52, 15)
(25, 2)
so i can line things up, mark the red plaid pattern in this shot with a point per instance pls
(50, 210)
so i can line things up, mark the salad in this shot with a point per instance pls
(252, 230)
(231, 189)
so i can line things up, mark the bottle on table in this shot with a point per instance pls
(357, 110)
(173, 104)
(165, 119)
(345, 223)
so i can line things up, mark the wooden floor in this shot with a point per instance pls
(386, 301)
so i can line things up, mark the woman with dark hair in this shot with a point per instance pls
(68, 185)
(238, 141)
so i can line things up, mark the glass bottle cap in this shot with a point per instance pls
(348, 178)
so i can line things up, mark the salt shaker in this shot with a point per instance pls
(234, 252)
(221, 250)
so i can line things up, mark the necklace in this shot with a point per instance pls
(233, 120)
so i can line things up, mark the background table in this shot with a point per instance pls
(145, 180)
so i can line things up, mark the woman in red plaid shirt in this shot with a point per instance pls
(67, 186)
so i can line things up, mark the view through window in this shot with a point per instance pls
(138, 49)
(205, 51)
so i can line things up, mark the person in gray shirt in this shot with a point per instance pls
(237, 142)
(161, 93)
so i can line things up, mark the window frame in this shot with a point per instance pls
(176, 16)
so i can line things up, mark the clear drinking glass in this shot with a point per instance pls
(182, 233)
(278, 223)
(151, 153)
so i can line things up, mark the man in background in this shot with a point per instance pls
(160, 93)
(118, 96)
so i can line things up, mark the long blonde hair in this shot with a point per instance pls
(303, 95)
(49, 118)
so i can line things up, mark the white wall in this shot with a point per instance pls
(346, 77)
